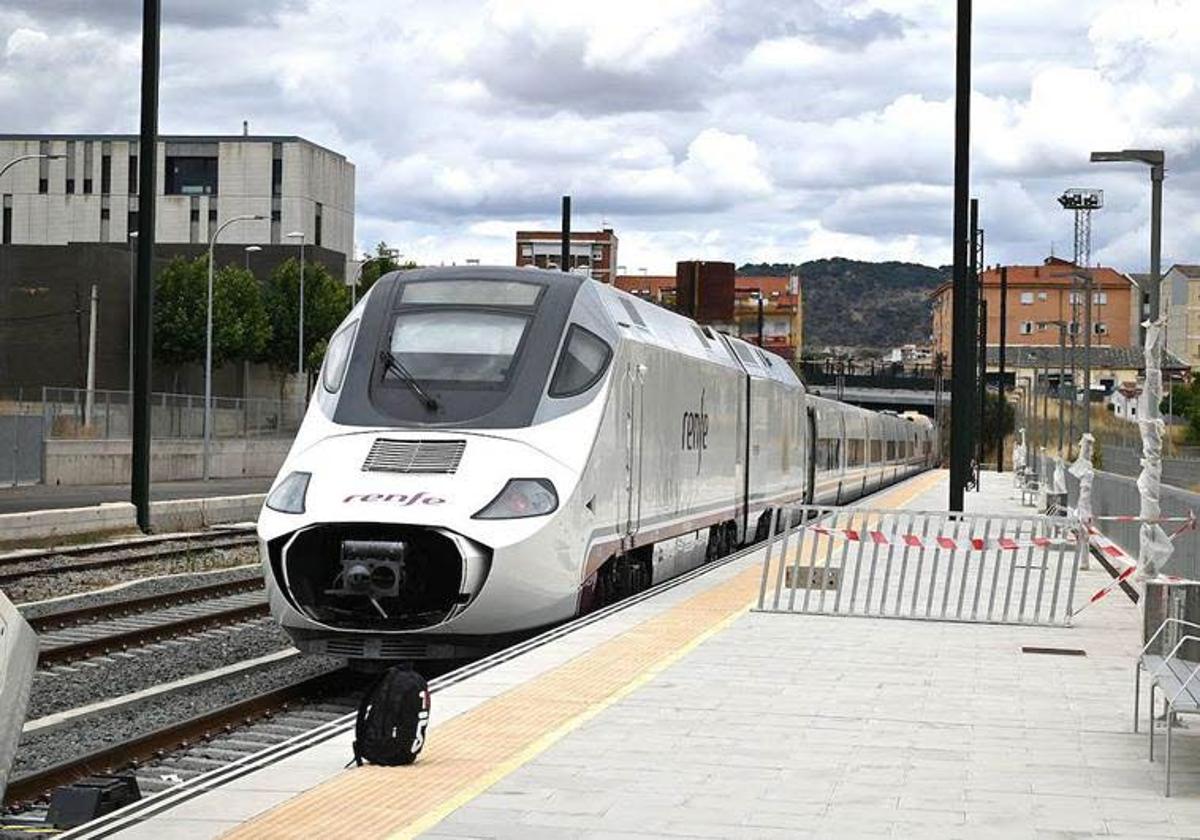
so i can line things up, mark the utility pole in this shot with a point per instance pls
(90, 397)
(1087, 349)
(565, 263)
(147, 188)
(1002, 405)
(961, 335)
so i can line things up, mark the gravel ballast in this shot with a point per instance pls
(43, 581)
(167, 584)
(97, 679)
(38, 751)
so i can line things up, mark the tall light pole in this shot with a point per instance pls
(251, 249)
(389, 254)
(299, 234)
(208, 341)
(20, 158)
(1156, 160)
(132, 281)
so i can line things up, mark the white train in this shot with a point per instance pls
(493, 450)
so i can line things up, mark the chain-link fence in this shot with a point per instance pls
(75, 413)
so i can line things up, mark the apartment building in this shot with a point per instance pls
(593, 252)
(1181, 304)
(1041, 300)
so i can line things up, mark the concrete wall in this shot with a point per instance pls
(108, 461)
(50, 527)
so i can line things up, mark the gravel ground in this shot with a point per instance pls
(43, 582)
(84, 683)
(139, 589)
(38, 751)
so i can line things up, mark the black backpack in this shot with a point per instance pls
(392, 716)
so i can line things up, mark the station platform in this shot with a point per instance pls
(691, 715)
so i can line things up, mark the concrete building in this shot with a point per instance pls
(783, 307)
(593, 252)
(1181, 304)
(1040, 295)
(66, 222)
(91, 194)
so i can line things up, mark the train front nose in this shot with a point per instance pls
(377, 576)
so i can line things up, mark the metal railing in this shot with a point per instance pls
(74, 413)
(937, 566)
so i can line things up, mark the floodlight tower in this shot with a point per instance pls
(1082, 201)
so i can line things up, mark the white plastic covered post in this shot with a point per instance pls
(1154, 546)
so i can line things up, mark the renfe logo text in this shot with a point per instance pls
(395, 498)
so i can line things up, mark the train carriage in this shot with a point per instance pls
(492, 450)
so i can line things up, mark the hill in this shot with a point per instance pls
(862, 304)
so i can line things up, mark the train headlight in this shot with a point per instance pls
(288, 496)
(520, 498)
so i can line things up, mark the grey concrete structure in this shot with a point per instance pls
(91, 194)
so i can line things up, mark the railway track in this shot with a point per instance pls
(19, 566)
(206, 750)
(113, 628)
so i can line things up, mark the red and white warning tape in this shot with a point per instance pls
(936, 541)
(1190, 519)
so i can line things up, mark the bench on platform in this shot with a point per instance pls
(1177, 678)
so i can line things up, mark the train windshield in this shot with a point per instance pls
(458, 345)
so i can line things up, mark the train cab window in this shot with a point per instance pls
(584, 358)
(466, 346)
(470, 293)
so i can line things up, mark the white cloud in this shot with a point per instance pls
(737, 129)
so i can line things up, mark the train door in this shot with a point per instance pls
(635, 381)
(810, 478)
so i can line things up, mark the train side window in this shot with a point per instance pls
(337, 356)
(584, 358)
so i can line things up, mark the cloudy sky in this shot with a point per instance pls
(734, 129)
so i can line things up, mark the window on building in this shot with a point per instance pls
(89, 166)
(191, 175)
(105, 174)
(1042, 296)
(44, 167)
(1026, 298)
(131, 221)
(105, 219)
(1073, 328)
(133, 175)
(1027, 328)
(1100, 297)
(70, 169)
(194, 220)
(212, 220)
(276, 224)
(1100, 328)
(276, 169)
(6, 225)
(317, 209)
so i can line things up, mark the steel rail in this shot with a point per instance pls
(131, 606)
(145, 635)
(88, 549)
(31, 787)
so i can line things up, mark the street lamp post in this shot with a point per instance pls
(299, 234)
(251, 249)
(208, 339)
(389, 254)
(132, 281)
(1156, 160)
(20, 158)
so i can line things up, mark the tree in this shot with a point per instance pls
(240, 325)
(326, 302)
(241, 328)
(382, 262)
(179, 312)
(1186, 404)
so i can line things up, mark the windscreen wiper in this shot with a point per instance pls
(391, 363)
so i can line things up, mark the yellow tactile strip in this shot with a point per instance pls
(473, 751)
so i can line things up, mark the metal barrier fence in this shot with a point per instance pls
(936, 566)
(69, 414)
(1117, 495)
